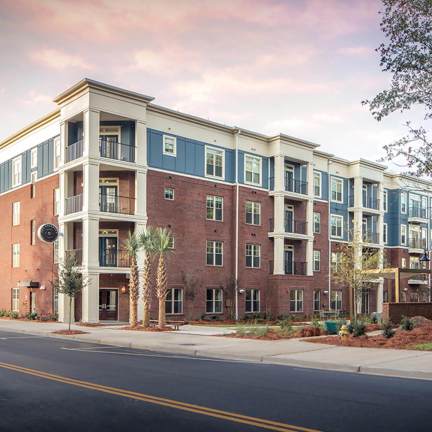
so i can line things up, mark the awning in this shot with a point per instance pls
(28, 284)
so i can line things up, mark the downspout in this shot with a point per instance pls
(236, 255)
(329, 233)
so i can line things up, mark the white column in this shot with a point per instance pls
(91, 187)
(90, 242)
(91, 133)
(358, 214)
(63, 141)
(64, 191)
(309, 220)
(90, 297)
(279, 176)
(141, 194)
(139, 228)
(278, 252)
(279, 214)
(141, 143)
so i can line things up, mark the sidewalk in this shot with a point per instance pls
(195, 341)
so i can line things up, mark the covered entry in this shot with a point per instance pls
(108, 304)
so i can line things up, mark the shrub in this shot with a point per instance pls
(4, 313)
(32, 316)
(316, 323)
(406, 324)
(388, 331)
(358, 329)
(260, 331)
(13, 315)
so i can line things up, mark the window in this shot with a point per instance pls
(337, 190)
(169, 194)
(316, 300)
(403, 234)
(253, 213)
(214, 207)
(171, 244)
(32, 232)
(214, 300)
(253, 170)
(385, 233)
(385, 201)
(253, 255)
(424, 206)
(16, 171)
(33, 158)
(403, 202)
(296, 300)
(169, 145)
(317, 184)
(56, 201)
(214, 253)
(57, 153)
(336, 224)
(336, 300)
(15, 255)
(56, 251)
(16, 213)
(336, 260)
(214, 162)
(316, 260)
(15, 299)
(403, 262)
(174, 301)
(414, 262)
(252, 301)
(316, 223)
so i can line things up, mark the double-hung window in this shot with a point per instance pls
(57, 153)
(214, 253)
(33, 158)
(385, 201)
(169, 145)
(336, 225)
(316, 300)
(174, 301)
(252, 299)
(253, 168)
(214, 162)
(214, 300)
(169, 194)
(337, 190)
(336, 260)
(16, 213)
(385, 233)
(403, 234)
(15, 299)
(16, 171)
(56, 201)
(316, 223)
(32, 232)
(336, 300)
(317, 184)
(296, 300)
(16, 251)
(253, 213)
(214, 208)
(253, 255)
(403, 202)
(316, 260)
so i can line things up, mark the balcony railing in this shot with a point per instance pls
(116, 204)
(417, 212)
(296, 227)
(295, 267)
(74, 151)
(76, 254)
(116, 150)
(74, 204)
(370, 202)
(297, 186)
(370, 237)
(114, 258)
(416, 243)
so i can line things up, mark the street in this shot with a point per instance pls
(51, 384)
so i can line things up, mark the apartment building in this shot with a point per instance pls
(256, 219)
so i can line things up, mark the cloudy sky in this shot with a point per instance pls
(300, 67)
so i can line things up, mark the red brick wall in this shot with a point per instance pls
(395, 311)
(36, 261)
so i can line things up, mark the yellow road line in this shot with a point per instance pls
(211, 412)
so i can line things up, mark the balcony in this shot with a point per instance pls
(295, 268)
(416, 245)
(421, 279)
(370, 237)
(367, 203)
(74, 151)
(114, 258)
(416, 213)
(116, 204)
(116, 150)
(74, 204)
(296, 186)
(291, 227)
(76, 254)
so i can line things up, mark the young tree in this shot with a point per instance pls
(69, 281)
(407, 55)
(350, 270)
(163, 239)
(147, 243)
(132, 246)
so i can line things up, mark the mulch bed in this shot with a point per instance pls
(83, 324)
(147, 329)
(272, 334)
(69, 332)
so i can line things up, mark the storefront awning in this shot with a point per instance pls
(28, 284)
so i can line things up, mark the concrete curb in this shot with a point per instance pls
(270, 360)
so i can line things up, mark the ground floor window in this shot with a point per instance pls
(365, 302)
(336, 300)
(55, 301)
(317, 300)
(15, 299)
(296, 300)
(252, 300)
(174, 301)
(214, 300)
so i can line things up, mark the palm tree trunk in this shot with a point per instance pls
(70, 312)
(133, 293)
(161, 316)
(161, 287)
(146, 290)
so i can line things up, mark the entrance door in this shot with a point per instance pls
(108, 199)
(108, 251)
(109, 146)
(289, 178)
(289, 219)
(108, 304)
(289, 261)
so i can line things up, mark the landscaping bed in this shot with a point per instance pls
(69, 332)
(147, 329)
(267, 333)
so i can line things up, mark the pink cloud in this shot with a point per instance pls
(59, 60)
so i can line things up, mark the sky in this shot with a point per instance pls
(300, 67)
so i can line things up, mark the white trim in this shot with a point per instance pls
(342, 225)
(254, 248)
(385, 201)
(33, 158)
(385, 233)
(16, 163)
(213, 198)
(16, 213)
(255, 204)
(406, 202)
(214, 149)
(173, 193)
(338, 179)
(213, 301)
(320, 183)
(246, 155)
(319, 260)
(214, 253)
(405, 233)
(172, 301)
(164, 137)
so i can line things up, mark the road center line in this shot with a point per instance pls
(197, 409)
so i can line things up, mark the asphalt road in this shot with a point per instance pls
(72, 386)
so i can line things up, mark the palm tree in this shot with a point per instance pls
(147, 242)
(163, 239)
(132, 246)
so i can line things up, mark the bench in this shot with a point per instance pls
(175, 324)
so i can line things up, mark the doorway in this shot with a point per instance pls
(108, 304)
